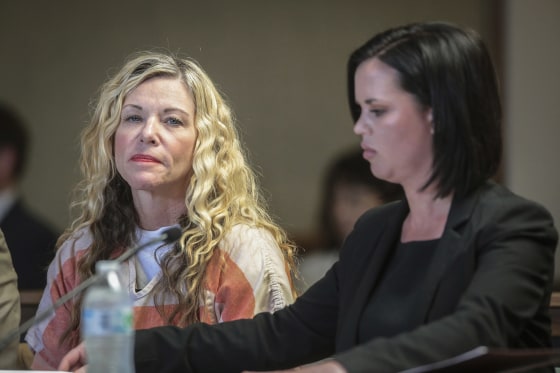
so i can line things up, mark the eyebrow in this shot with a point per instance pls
(168, 110)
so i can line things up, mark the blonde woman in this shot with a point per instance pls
(162, 150)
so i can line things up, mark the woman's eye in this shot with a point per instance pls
(133, 118)
(377, 112)
(174, 121)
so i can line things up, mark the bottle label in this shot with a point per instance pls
(107, 321)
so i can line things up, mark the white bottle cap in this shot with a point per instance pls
(104, 266)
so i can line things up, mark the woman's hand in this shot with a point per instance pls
(74, 360)
(323, 367)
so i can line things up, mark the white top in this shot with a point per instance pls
(148, 259)
(7, 198)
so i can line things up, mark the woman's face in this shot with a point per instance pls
(155, 139)
(395, 129)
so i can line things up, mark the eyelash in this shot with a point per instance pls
(170, 120)
(176, 121)
(377, 112)
(132, 118)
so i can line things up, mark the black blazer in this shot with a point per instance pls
(489, 283)
(31, 241)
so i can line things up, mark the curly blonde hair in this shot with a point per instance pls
(223, 190)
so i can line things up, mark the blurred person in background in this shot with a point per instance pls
(349, 190)
(30, 238)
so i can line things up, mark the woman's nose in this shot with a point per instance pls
(363, 125)
(149, 131)
(359, 127)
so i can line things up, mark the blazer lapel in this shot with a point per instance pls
(381, 250)
(449, 246)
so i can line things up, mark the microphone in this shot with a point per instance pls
(168, 236)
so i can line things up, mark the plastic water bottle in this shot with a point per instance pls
(107, 323)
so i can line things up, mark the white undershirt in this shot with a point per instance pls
(147, 267)
(7, 198)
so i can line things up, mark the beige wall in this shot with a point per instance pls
(532, 52)
(281, 64)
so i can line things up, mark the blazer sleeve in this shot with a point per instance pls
(9, 306)
(514, 242)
